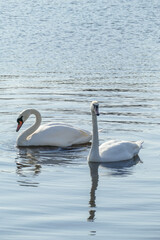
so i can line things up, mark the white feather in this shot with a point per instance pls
(50, 134)
(111, 151)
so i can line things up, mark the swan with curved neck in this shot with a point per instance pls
(111, 151)
(50, 134)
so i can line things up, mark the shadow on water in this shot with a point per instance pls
(122, 168)
(30, 161)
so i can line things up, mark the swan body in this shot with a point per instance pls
(113, 150)
(50, 134)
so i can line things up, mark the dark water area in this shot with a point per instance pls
(57, 57)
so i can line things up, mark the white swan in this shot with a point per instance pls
(50, 134)
(113, 150)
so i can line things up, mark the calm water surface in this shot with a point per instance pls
(58, 56)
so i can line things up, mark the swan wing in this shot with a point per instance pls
(113, 150)
(58, 134)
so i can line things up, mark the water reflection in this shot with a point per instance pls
(122, 168)
(30, 161)
(27, 168)
(26, 161)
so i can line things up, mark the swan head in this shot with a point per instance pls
(22, 118)
(95, 108)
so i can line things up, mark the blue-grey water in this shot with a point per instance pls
(56, 57)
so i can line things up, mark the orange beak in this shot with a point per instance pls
(19, 125)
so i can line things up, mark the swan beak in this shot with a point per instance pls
(19, 125)
(97, 111)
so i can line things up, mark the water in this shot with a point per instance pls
(58, 56)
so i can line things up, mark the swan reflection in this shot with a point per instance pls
(28, 168)
(31, 160)
(122, 168)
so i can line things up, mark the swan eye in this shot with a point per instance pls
(20, 120)
(20, 123)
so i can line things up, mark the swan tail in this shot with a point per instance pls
(140, 144)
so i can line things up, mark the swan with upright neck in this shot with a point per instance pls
(113, 150)
(50, 134)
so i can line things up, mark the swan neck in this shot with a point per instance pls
(23, 138)
(94, 152)
(95, 142)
